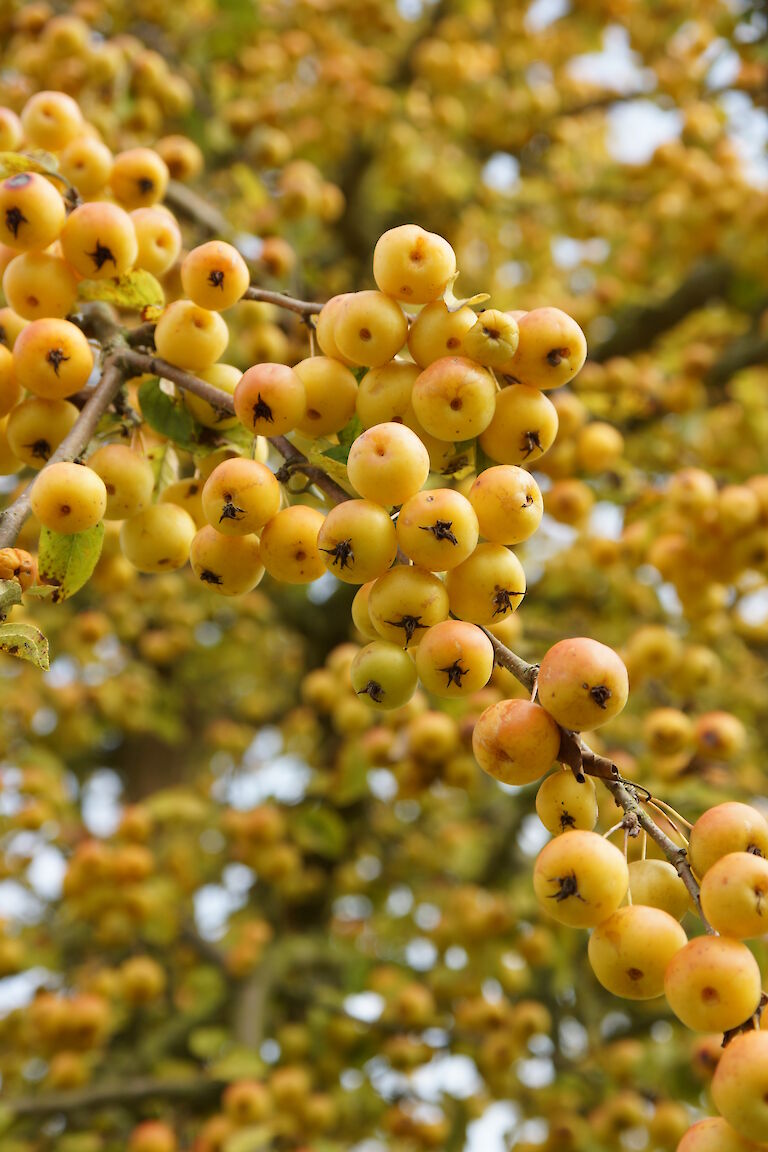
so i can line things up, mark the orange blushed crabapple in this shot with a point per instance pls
(493, 338)
(270, 399)
(385, 674)
(412, 264)
(182, 157)
(152, 1136)
(38, 285)
(214, 275)
(139, 178)
(726, 828)
(99, 240)
(36, 427)
(487, 586)
(580, 879)
(734, 895)
(740, 1084)
(86, 162)
(226, 378)
(713, 984)
(68, 498)
(388, 463)
(52, 359)
(454, 659)
(563, 802)
(158, 539)
(230, 565)
(370, 328)
(405, 602)
(240, 496)
(523, 428)
(247, 1102)
(189, 336)
(358, 541)
(437, 529)
(582, 683)
(384, 394)
(720, 735)
(437, 332)
(507, 502)
(128, 478)
(289, 549)
(32, 212)
(515, 741)
(713, 1134)
(331, 391)
(629, 952)
(551, 349)
(454, 398)
(51, 120)
(10, 389)
(158, 239)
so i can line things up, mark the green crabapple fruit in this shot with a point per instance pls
(388, 463)
(385, 674)
(582, 683)
(515, 741)
(629, 952)
(68, 498)
(579, 879)
(454, 659)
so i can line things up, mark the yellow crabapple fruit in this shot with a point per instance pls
(437, 529)
(38, 285)
(10, 389)
(32, 212)
(487, 586)
(454, 658)
(515, 741)
(360, 613)
(247, 1102)
(182, 157)
(289, 549)
(725, 828)
(11, 325)
(412, 264)
(99, 240)
(214, 275)
(230, 565)
(11, 131)
(388, 463)
(226, 378)
(740, 1084)
(325, 327)
(599, 447)
(384, 394)
(385, 674)
(629, 952)
(493, 339)
(270, 399)
(128, 478)
(563, 801)
(188, 494)
(52, 359)
(51, 120)
(152, 1136)
(405, 602)
(569, 501)
(523, 428)
(507, 502)
(358, 541)
(36, 427)
(331, 391)
(158, 538)
(158, 239)
(86, 162)
(657, 884)
(436, 332)
(370, 328)
(139, 178)
(9, 462)
(580, 879)
(734, 895)
(189, 336)
(582, 683)
(240, 496)
(454, 398)
(668, 732)
(68, 498)
(714, 1134)
(713, 984)
(551, 349)
(720, 735)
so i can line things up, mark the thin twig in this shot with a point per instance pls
(121, 1092)
(302, 307)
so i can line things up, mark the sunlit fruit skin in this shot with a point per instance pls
(599, 447)
(158, 539)
(384, 394)
(225, 377)
(331, 392)
(580, 879)
(725, 828)
(493, 338)
(740, 1085)
(405, 602)
(38, 285)
(158, 239)
(657, 884)
(289, 549)
(388, 463)
(523, 428)
(228, 565)
(86, 162)
(563, 802)
(515, 741)
(68, 498)
(189, 336)
(508, 504)
(139, 178)
(582, 683)
(188, 494)
(359, 611)
(629, 952)
(358, 541)
(214, 275)
(52, 359)
(384, 675)
(454, 398)
(551, 349)
(10, 389)
(436, 332)
(734, 895)
(413, 265)
(51, 120)
(11, 325)
(487, 586)
(128, 478)
(99, 240)
(11, 131)
(370, 328)
(270, 400)
(714, 1135)
(32, 212)
(240, 496)
(713, 984)
(325, 326)
(454, 659)
(437, 529)
(36, 427)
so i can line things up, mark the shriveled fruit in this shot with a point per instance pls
(384, 674)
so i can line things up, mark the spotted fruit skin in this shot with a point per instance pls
(582, 683)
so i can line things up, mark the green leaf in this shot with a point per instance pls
(320, 830)
(68, 561)
(10, 594)
(239, 1064)
(349, 433)
(41, 591)
(238, 436)
(135, 290)
(167, 415)
(208, 1042)
(26, 643)
(165, 465)
(11, 163)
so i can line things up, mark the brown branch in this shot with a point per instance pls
(196, 208)
(121, 1092)
(749, 349)
(304, 308)
(526, 673)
